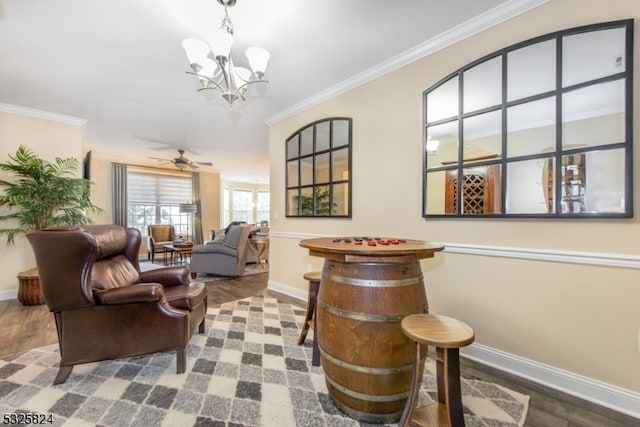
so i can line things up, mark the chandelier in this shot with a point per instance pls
(212, 64)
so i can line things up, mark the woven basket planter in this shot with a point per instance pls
(29, 291)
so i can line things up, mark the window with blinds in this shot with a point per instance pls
(155, 198)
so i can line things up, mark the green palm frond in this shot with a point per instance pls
(43, 194)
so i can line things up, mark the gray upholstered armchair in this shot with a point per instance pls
(226, 257)
(159, 235)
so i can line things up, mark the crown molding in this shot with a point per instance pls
(40, 114)
(486, 20)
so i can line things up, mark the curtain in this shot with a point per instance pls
(119, 193)
(197, 217)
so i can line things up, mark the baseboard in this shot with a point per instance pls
(281, 288)
(9, 294)
(596, 392)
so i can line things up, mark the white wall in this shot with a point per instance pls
(554, 299)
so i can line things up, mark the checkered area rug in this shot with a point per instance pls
(247, 370)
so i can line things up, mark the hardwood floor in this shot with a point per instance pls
(24, 328)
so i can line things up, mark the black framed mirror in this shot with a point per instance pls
(542, 128)
(318, 169)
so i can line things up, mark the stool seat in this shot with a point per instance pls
(447, 335)
(314, 278)
(437, 330)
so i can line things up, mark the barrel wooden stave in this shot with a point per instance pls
(365, 356)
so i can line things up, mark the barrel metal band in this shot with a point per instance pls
(390, 318)
(366, 417)
(374, 283)
(367, 369)
(367, 397)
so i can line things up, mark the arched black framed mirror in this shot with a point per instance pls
(318, 169)
(542, 128)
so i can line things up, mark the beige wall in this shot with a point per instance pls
(210, 190)
(583, 319)
(48, 136)
(101, 189)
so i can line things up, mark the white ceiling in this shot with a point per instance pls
(119, 65)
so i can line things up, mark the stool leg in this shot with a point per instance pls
(448, 378)
(414, 389)
(315, 360)
(311, 305)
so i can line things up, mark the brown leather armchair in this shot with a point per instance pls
(104, 306)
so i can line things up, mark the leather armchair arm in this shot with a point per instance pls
(168, 276)
(145, 292)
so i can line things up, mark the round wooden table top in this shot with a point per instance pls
(355, 249)
(437, 330)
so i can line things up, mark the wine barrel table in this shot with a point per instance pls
(368, 286)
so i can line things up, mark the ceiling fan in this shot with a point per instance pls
(182, 162)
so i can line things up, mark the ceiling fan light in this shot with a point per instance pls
(258, 59)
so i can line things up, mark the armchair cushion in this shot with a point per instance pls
(232, 237)
(113, 273)
(215, 248)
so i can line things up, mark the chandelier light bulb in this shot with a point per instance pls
(197, 51)
(258, 60)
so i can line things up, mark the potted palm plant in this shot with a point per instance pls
(41, 194)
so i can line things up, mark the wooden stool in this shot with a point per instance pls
(310, 319)
(447, 335)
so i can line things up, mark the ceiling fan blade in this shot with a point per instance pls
(193, 166)
(162, 160)
(204, 163)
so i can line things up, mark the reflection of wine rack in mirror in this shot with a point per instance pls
(573, 183)
(480, 191)
(473, 189)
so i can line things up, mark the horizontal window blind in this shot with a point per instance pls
(152, 189)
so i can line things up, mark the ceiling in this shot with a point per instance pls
(119, 64)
